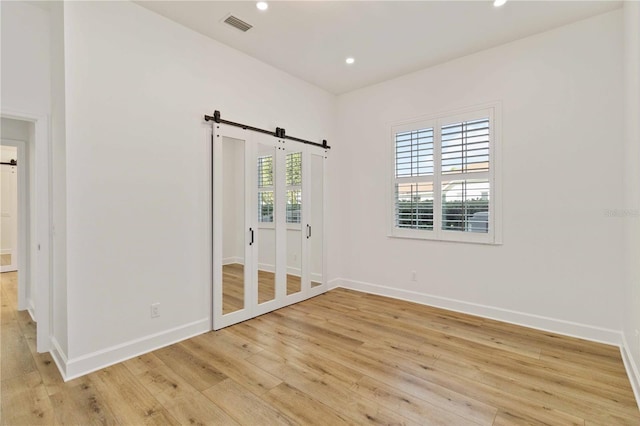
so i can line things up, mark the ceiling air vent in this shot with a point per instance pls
(237, 23)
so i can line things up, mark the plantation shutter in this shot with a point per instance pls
(465, 176)
(414, 168)
(465, 147)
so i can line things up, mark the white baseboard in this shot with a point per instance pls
(632, 368)
(266, 267)
(59, 357)
(31, 308)
(232, 260)
(85, 364)
(567, 328)
(334, 283)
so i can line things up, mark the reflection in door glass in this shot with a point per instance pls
(233, 226)
(266, 223)
(294, 219)
(316, 230)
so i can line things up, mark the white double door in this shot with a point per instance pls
(269, 248)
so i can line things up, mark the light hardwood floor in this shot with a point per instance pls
(339, 358)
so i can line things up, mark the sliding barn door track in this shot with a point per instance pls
(279, 133)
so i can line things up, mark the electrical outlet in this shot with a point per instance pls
(155, 310)
(414, 276)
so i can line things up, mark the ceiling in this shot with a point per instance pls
(311, 39)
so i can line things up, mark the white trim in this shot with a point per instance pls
(233, 259)
(631, 366)
(32, 310)
(31, 314)
(266, 267)
(59, 357)
(207, 220)
(335, 283)
(85, 364)
(554, 325)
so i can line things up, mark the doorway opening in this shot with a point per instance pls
(25, 220)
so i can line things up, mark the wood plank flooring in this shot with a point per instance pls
(339, 358)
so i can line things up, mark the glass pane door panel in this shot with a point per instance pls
(266, 163)
(316, 224)
(293, 179)
(233, 225)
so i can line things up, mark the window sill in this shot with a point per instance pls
(467, 239)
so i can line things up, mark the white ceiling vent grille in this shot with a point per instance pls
(237, 23)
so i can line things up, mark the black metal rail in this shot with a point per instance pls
(279, 133)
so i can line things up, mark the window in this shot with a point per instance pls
(266, 200)
(444, 184)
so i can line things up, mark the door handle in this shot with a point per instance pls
(308, 231)
(251, 242)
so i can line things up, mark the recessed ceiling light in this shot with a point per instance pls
(262, 5)
(498, 3)
(350, 60)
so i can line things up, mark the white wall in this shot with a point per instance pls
(631, 321)
(14, 129)
(58, 196)
(561, 261)
(138, 178)
(25, 58)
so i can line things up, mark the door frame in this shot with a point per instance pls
(41, 209)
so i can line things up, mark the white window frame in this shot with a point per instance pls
(437, 121)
